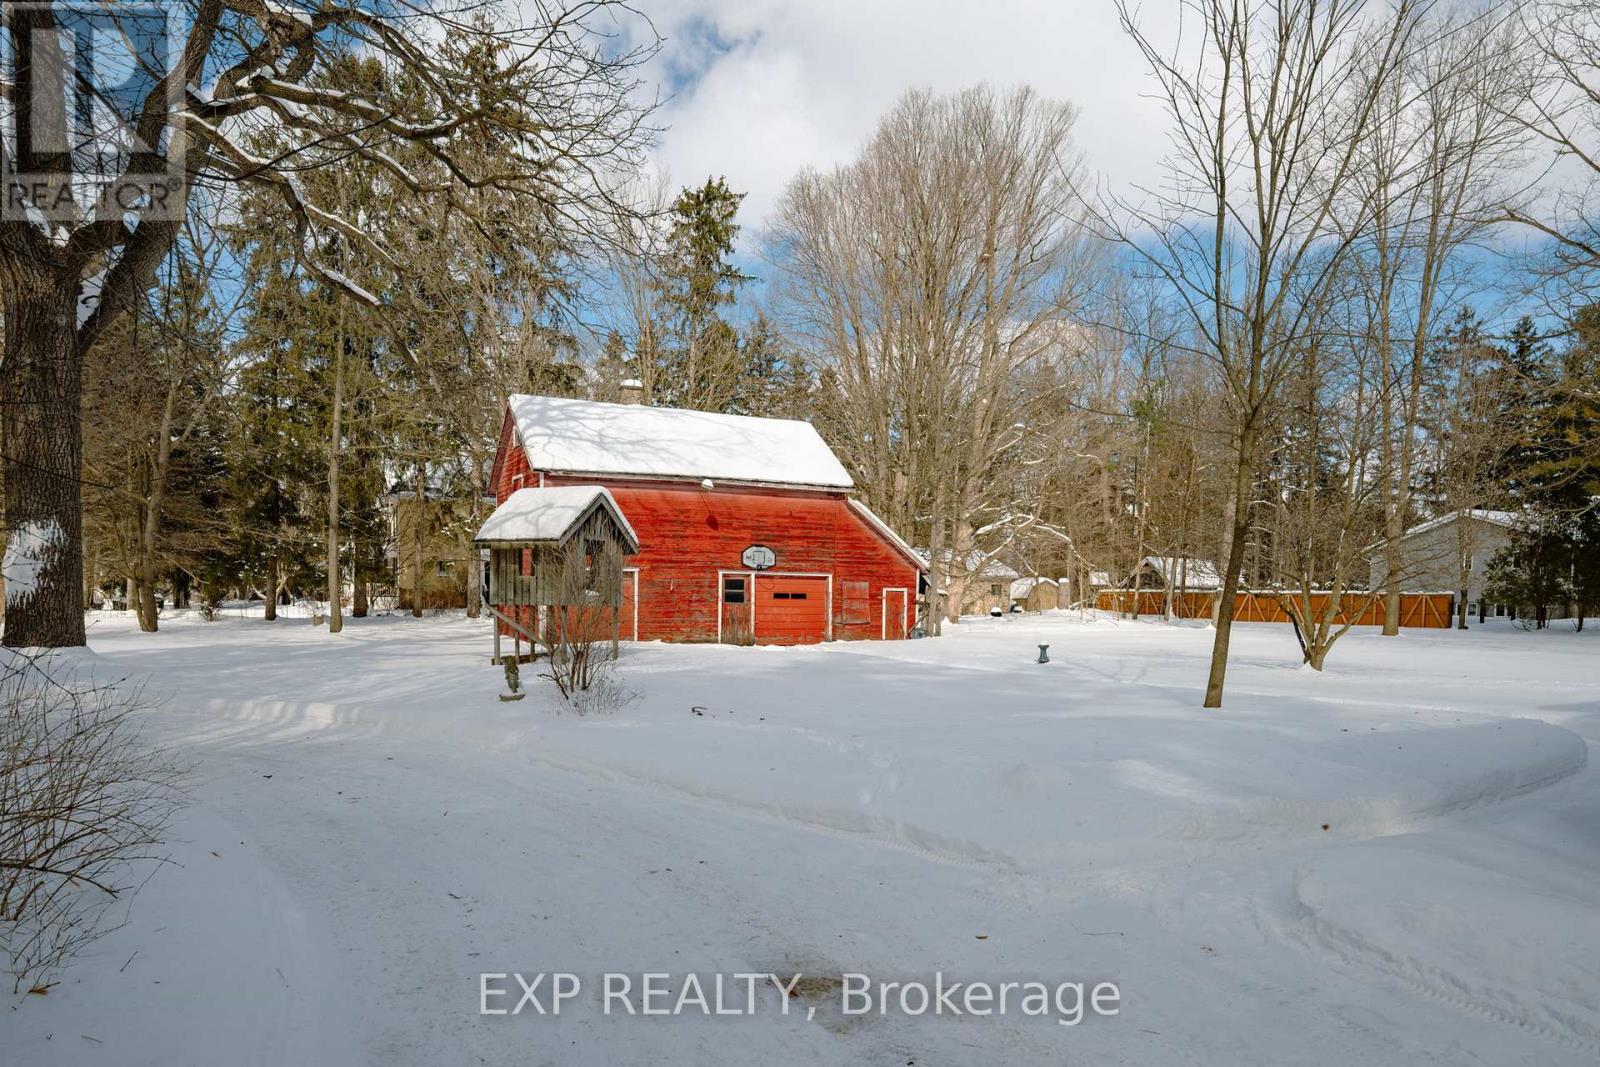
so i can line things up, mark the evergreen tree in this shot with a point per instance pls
(1532, 572)
(1522, 387)
(701, 355)
(275, 441)
(774, 378)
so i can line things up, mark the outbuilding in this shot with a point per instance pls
(1035, 593)
(747, 528)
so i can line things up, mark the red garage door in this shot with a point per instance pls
(791, 611)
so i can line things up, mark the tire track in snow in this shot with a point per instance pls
(885, 833)
(1430, 982)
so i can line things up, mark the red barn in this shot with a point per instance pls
(747, 529)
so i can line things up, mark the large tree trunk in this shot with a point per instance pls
(1244, 467)
(1229, 510)
(41, 440)
(474, 562)
(1393, 530)
(146, 607)
(934, 625)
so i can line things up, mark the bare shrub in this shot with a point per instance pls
(579, 634)
(82, 804)
(606, 695)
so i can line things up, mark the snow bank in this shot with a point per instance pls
(1444, 769)
(1056, 796)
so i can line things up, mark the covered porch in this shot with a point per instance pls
(556, 561)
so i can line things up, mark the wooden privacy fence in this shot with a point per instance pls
(1416, 609)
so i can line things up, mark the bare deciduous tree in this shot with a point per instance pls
(1432, 178)
(1270, 111)
(924, 278)
(554, 88)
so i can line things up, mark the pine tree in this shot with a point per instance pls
(275, 441)
(700, 352)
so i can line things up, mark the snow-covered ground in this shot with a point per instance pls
(1394, 862)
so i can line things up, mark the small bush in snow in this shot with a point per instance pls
(580, 630)
(605, 696)
(82, 802)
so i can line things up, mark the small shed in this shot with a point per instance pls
(1183, 573)
(1035, 594)
(556, 558)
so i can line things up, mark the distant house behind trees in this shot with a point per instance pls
(429, 547)
(1436, 554)
(1035, 594)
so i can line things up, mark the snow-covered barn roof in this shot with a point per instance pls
(1195, 573)
(587, 437)
(549, 516)
(1024, 586)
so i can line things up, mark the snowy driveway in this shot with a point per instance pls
(371, 829)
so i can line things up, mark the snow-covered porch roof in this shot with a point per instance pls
(550, 516)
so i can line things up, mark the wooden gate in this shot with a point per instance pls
(1418, 610)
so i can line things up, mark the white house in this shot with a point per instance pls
(1432, 555)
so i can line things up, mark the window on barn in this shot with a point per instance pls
(853, 606)
(995, 590)
(733, 590)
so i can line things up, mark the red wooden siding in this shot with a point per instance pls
(510, 471)
(689, 535)
(896, 616)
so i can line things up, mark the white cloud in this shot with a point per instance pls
(772, 86)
